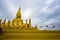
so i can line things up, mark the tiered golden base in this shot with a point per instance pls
(30, 35)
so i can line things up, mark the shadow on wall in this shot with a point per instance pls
(1, 32)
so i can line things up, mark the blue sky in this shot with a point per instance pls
(42, 12)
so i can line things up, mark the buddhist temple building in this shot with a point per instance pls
(17, 23)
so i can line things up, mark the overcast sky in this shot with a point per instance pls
(42, 12)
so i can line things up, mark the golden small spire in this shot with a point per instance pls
(36, 26)
(26, 21)
(9, 21)
(30, 21)
(4, 21)
(18, 15)
(0, 20)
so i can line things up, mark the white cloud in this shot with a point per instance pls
(50, 21)
(1, 14)
(27, 13)
(49, 1)
(10, 7)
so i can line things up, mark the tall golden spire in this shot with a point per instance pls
(18, 15)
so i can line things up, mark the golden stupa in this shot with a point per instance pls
(18, 30)
(17, 24)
